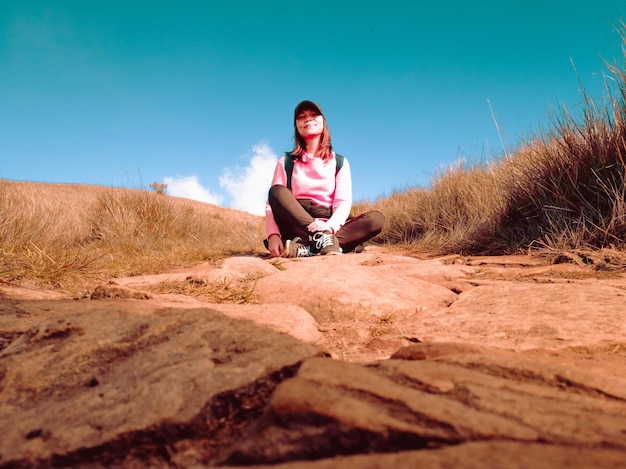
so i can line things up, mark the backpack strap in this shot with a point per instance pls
(339, 159)
(289, 166)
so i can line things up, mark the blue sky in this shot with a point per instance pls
(200, 94)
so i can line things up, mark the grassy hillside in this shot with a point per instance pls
(561, 191)
(63, 235)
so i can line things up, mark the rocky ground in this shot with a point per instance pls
(362, 360)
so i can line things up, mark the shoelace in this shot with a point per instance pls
(302, 251)
(322, 240)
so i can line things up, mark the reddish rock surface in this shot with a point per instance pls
(361, 360)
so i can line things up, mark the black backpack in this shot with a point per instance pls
(289, 166)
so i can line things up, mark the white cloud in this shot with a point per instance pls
(248, 187)
(190, 188)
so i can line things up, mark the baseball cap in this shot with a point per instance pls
(304, 106)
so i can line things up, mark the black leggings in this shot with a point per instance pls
(293, 216)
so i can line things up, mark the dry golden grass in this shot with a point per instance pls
(68, 236)
(451, 216)
(562, 190)
(224, 291)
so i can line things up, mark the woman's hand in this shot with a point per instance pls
(275, 246)
(319, 225)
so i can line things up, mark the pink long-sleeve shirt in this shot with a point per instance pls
(314, 179)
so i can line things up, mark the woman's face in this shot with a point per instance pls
(309, 123)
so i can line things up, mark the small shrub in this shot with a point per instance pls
(158, 187)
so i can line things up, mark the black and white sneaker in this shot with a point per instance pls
(296, 248)
(324, 243)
